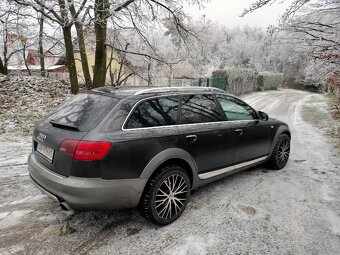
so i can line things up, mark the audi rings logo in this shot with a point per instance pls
(41, 137)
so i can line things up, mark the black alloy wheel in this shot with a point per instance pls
(280, 154)
(166, 195)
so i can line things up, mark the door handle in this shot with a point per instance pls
(239, 131)
(191, 138)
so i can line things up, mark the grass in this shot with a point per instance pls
(319, 112)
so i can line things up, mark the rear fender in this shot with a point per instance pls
(168, 154)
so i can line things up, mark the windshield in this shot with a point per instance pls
(82, 112)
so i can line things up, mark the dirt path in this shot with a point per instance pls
(292, 211)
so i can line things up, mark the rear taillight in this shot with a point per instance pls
(85, 150)
(69, 147)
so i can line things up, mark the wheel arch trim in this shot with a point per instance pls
(166, 155)
(280, 131)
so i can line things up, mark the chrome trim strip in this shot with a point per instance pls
(208, 175)
(205, 123)
(176, 89)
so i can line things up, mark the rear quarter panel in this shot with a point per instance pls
(131, 150)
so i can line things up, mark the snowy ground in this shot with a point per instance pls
(292, 211)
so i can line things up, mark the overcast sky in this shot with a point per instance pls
(227, 12)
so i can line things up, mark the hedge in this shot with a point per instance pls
(243, 80)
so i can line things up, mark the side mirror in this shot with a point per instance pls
(263, 115)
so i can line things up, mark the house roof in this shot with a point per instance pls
(23, 68)
(54, 67)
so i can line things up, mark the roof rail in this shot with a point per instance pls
(175, 89)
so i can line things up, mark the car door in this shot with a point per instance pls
(204, 133)
(251, 135)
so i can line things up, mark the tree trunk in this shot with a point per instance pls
(2, 68)
(24, 57)
(71, 65)
(149, 73)
(4, 63)
(82, 49)
(122, 59)
(101, 16)
(41, 48)
(171, 77)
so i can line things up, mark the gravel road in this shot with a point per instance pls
(292, 211)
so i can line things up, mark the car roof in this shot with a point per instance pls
(124, 91)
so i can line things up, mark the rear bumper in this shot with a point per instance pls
(86, 193)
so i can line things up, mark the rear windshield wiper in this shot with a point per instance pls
(63, 125)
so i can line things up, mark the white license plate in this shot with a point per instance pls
(48, 153)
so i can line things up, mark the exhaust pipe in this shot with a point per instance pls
(65, 206)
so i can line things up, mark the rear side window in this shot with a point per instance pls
(154, 112)
(199, 109)
(83, 111)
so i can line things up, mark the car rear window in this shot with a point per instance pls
(83, 112)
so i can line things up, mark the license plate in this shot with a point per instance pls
(48, 153)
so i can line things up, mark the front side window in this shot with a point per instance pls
(199, 109)
(235, 109)
(154, 112)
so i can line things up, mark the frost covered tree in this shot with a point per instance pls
(124, 15)
(16, 34)
(213, 46)
(312, 29)
(23, 30)
(315, 30)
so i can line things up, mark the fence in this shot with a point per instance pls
(239, 81)
(218, 82)
(238, 85)
(163, 81)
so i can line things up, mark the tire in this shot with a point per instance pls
(280, 154)
(158, 203)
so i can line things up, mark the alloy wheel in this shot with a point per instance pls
(283, 152)
(171, 196)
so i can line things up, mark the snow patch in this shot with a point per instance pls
(193, 245)
(327, 193)
(334, 221)
(15, 249)
(27, 199)
(9, 219)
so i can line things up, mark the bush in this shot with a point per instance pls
(308, 85)
(219, 74)
(260, 83)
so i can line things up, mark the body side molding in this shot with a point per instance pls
(211, 174)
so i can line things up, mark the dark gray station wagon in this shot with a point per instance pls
(119, 147)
